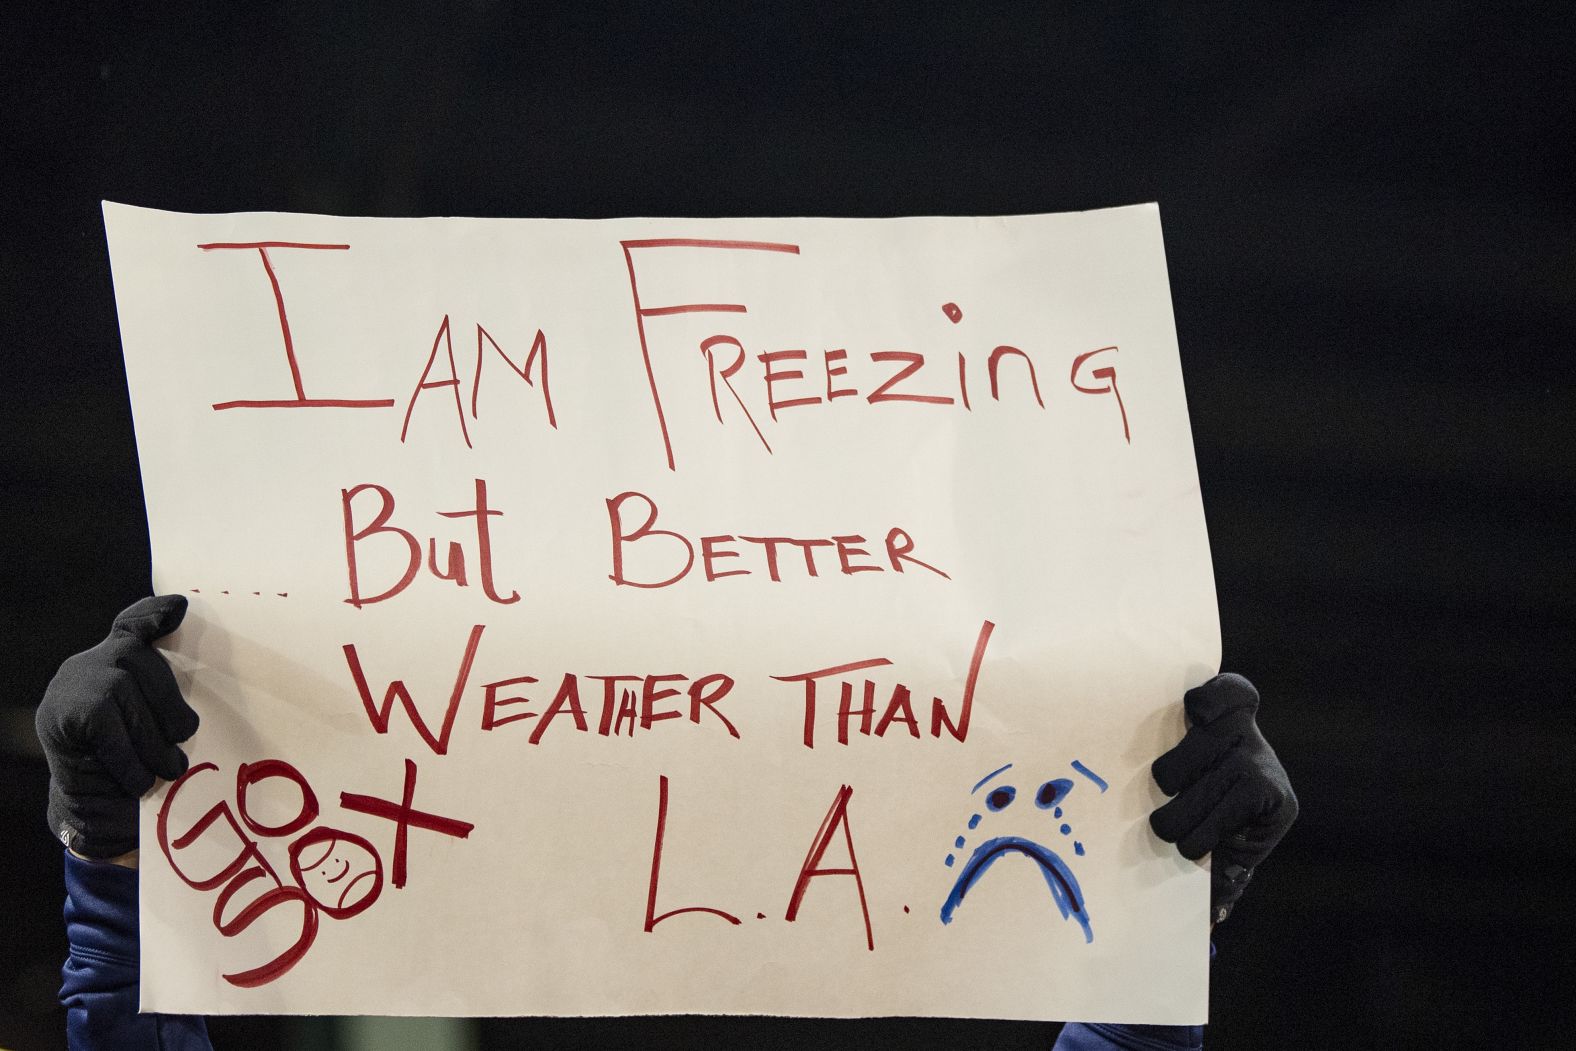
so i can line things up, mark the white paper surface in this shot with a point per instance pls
(1064, 513)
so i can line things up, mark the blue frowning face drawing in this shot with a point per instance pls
(996, 794)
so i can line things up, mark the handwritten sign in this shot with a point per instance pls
(668, 615)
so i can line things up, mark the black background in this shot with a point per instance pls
(1368, 217)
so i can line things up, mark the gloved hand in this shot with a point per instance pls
(109, 722)
(1232, 796)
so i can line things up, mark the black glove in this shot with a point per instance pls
(109, 723)
(1232, 795)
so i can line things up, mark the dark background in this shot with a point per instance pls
(1369, 224)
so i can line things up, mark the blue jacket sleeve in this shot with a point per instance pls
(102, 970)
(1092, 1036)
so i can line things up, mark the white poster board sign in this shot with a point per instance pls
(669, 615)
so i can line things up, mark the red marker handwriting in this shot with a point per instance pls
(836, 818)
(860, 715)
(405, 817)
(811, 868)
(643, 311)
(533, 371)
(301, 400)
(331, 871)
(632, 519)
(454, 567)
(609, 704)
(1108, 374)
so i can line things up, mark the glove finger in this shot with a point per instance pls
(113, 750)
(1220, 697)
(151, 618)
(154, 748)
(1227, 818)
(1182, 815)
(158, 690)
(1191, 759)
(1272, 818)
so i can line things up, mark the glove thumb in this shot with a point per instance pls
(1221, 697)
(150, 618)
